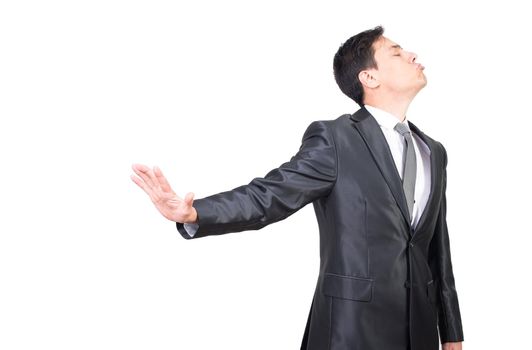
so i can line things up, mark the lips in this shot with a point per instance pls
(420, 66)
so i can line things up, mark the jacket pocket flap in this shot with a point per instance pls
(348, 287)
(431, 291)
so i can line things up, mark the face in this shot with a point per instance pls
(398, 72)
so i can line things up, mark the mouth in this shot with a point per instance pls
(420, 66)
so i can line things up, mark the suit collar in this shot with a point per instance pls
(371, 132)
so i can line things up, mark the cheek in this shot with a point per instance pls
(393, 76)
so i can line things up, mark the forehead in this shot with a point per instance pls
(384, 45)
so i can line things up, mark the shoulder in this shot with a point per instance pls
(438, 147)
(331, 125)
(327, 126)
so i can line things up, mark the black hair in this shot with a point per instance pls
(355, 55)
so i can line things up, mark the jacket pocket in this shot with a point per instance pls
(348, 287)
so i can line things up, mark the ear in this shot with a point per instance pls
(369, 78)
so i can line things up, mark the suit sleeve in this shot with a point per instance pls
(449, 319)
(309, 175)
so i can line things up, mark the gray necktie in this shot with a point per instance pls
(409, 168)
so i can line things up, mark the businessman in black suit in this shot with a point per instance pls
(377, 184)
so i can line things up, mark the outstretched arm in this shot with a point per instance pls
(310, 174)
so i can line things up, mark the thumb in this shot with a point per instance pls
(189, 198)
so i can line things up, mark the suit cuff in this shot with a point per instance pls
(188, 231)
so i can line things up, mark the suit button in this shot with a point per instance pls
(411, 244)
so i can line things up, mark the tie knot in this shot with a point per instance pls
(402, 128)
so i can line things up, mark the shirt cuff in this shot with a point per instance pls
(191, 228)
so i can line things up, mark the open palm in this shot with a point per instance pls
(170, 205)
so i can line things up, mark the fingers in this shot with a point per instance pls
(146, 174)
(154, 183)
(141, 184)
(161, 179)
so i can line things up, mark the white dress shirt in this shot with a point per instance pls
(396, 142)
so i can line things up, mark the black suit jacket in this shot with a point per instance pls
(382, 284)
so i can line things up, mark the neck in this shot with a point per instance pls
(395, 106)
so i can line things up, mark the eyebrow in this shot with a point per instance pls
(397, 46)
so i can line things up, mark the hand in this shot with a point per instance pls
(163, 197)
(452, 346)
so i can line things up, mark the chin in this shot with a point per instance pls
(419, 87)
(424, 80)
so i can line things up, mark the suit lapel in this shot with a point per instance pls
(376, 142)
(435, 177)
(372, 134)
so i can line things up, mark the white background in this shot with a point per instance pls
(217, 93)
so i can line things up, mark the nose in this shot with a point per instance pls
(412, 57)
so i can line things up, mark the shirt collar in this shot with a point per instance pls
(385, 119)
(389, 121)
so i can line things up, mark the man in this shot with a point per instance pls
(377, 184)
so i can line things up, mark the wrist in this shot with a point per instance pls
(194, 216)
